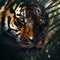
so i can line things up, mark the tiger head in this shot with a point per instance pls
(29, 20)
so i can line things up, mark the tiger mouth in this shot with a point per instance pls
(30, 43)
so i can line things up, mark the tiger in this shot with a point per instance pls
(26, 22)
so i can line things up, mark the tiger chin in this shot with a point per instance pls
(25, 23)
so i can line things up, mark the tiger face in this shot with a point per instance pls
(28, 19)
(25, 23)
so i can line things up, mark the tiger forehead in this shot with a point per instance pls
(22, 5)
